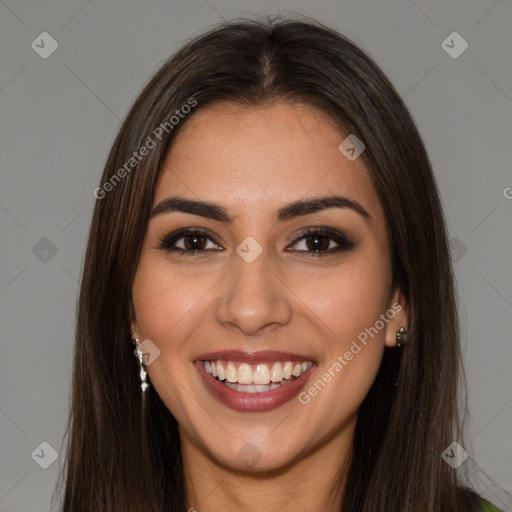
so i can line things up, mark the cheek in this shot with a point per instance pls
(164, 297)
(346, 306)
(347, 299)
(347, 311)
(166, 304)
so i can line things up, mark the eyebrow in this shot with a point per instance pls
(211, 210)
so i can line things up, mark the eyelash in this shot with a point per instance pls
(344, 244)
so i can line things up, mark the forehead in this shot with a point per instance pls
(262, 157)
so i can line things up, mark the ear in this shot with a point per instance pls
(134, 328)
(398, 314)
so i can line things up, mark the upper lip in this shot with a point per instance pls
(262, 356)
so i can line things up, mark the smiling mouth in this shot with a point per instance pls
(255, 378)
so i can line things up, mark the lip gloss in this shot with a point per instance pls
(252, 402)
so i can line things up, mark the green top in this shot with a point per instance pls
(489, 507)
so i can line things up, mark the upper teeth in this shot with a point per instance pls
(244, 373)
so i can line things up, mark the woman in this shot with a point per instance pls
(268, 242)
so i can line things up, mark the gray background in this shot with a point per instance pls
(60, 115)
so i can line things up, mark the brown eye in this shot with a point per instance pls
(317, 243)
(190, 242)
(322, 241)
(194, 242)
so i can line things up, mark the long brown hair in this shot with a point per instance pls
(123, 453)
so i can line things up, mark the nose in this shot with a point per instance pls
(254, 298)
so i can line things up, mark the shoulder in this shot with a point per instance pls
(488, 507)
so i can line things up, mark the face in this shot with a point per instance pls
(288, 301)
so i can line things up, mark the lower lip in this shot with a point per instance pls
(253, 402)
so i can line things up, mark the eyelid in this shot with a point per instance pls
(315, 229)
(323, 230)
(171, 238)
(343, 242)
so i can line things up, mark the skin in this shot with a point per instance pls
(253, 161)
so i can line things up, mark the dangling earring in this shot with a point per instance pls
(401, 336)
(143, 384)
